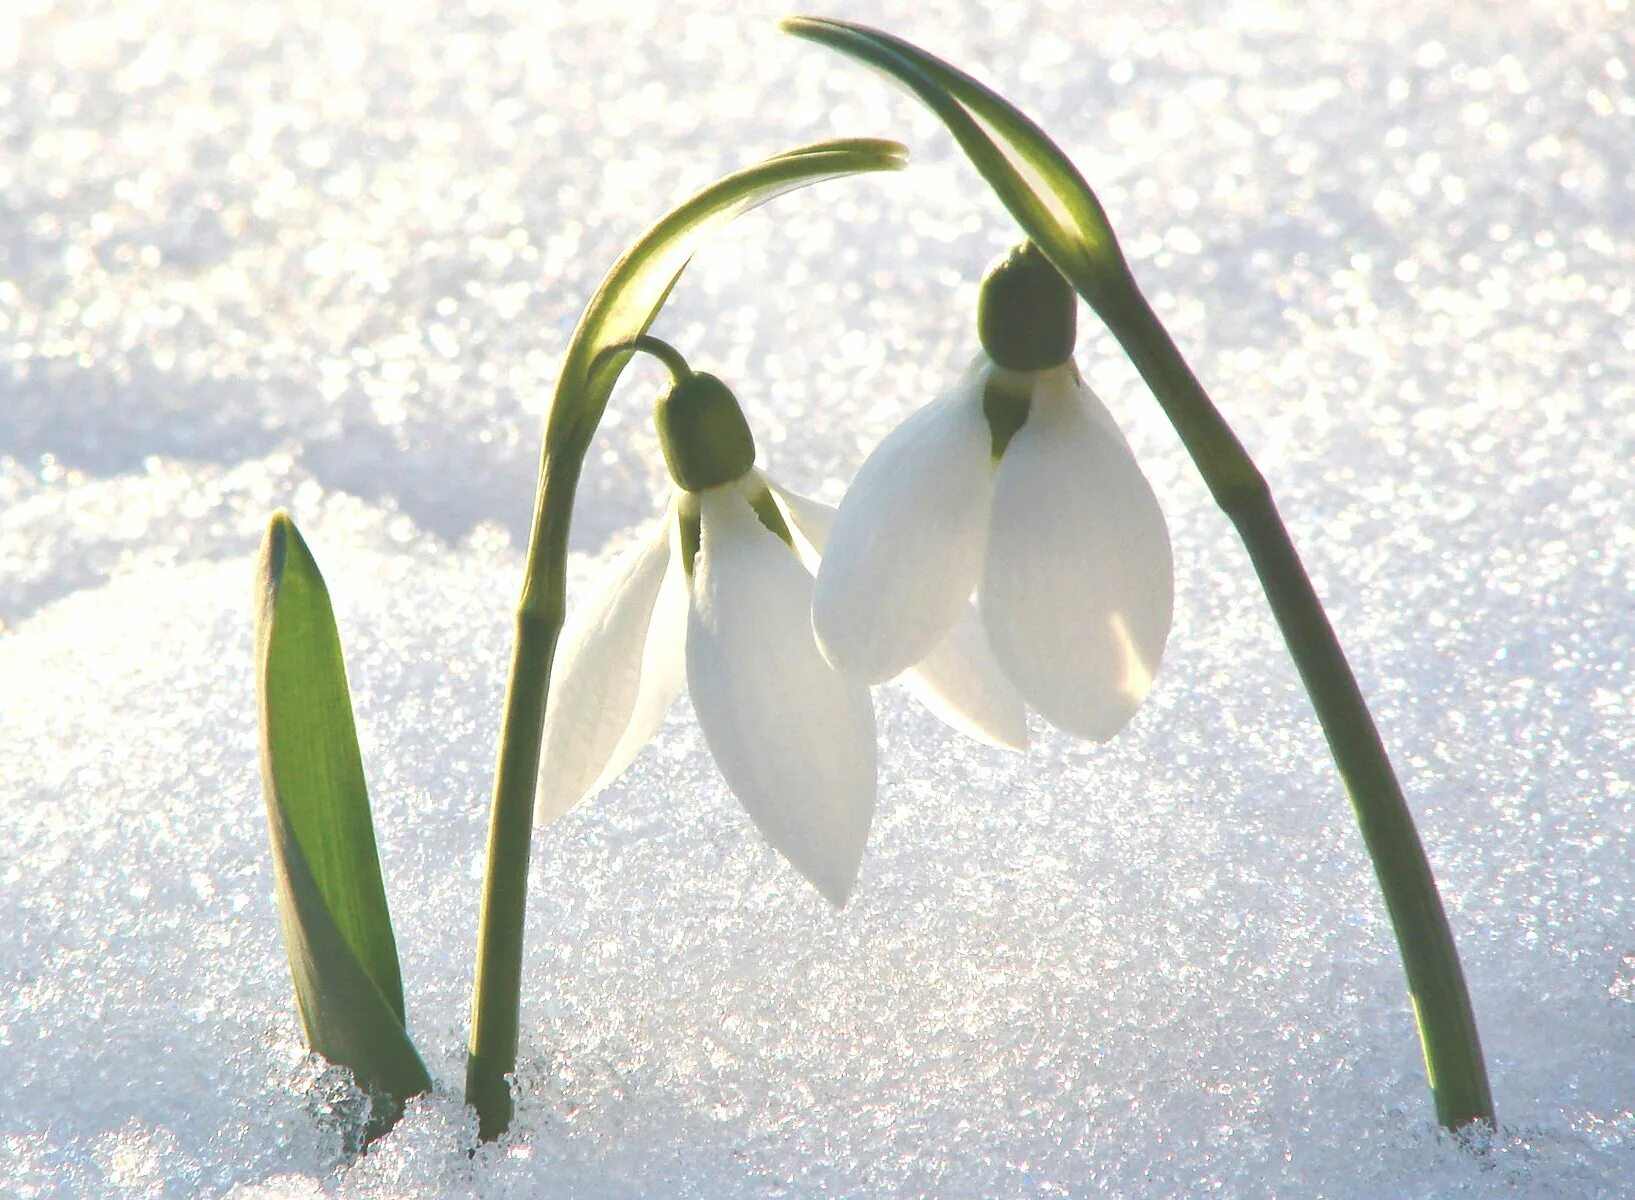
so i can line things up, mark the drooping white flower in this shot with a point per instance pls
(720, 595)
(1016, 485)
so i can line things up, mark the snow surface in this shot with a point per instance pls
(326, 254)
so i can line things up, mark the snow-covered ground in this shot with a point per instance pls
(326, 254)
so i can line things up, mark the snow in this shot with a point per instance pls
(326, 255)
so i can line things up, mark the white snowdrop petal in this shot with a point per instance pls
(907, 543)
(793, 737)
(618, 666)
(1064, 385)
(1078, 587)
(961, 682)
(664, 667)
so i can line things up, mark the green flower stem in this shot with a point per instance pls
(1060, 214)
(673, 360)
(611, 328)
(495, 1002)
(1436, 985)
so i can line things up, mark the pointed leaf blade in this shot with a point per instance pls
(331, 899)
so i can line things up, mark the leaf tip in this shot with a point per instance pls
(280, 521)
(274, 554)
(804, 26)
(284, 557)
(873, 154)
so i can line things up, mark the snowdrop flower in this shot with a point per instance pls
(720, 595)
(1018, 485)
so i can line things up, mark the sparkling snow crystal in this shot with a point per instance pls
(326, 254)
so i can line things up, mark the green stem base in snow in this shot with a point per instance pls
(492, 1054)
(1436, 984)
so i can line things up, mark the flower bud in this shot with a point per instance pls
(703, 434)
(1027, 315)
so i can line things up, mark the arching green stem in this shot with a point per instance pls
(620, 312)
(1436, 984)
(1061, 215)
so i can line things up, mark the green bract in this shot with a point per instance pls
(638, 284)
(1027, 171)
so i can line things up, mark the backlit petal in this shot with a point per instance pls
(962, 683)
(1078, 587)
(618, 666)
(959, 680)
(809, 520)
(793, 737)
(1064, 385)
(907, 543)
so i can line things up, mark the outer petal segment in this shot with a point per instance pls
(907, 544)
(959, 680)
(618, 668)
(1078, 587)
(793, 737)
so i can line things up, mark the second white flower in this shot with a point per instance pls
(1019, 486)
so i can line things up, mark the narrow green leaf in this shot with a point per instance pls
(331, 901)
(1028, 172)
